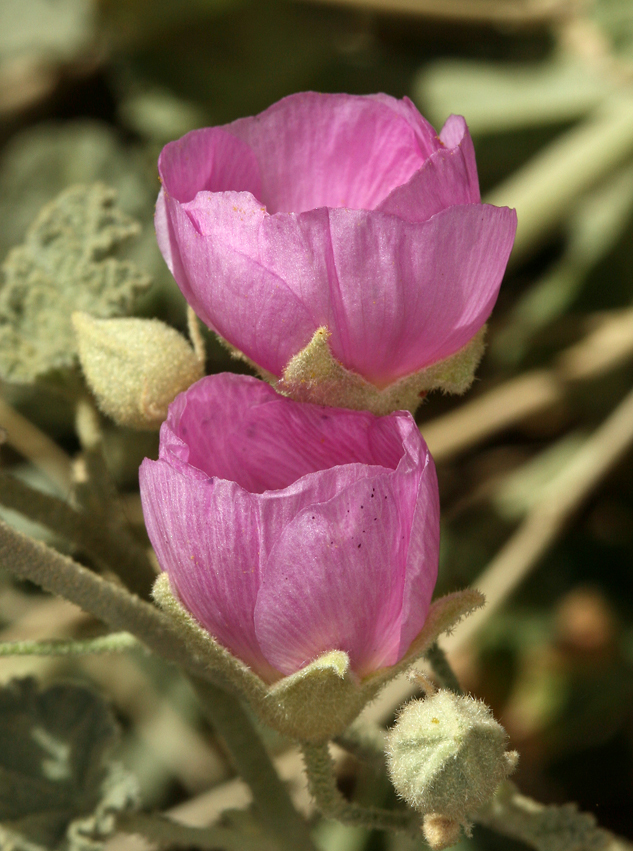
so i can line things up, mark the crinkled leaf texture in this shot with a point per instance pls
(58, 789)
(66, 263)
(322, 699)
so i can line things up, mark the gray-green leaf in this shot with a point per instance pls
(57, 789)
(65, 264)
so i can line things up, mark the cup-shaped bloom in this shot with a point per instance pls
(336, 212)
(289, 530)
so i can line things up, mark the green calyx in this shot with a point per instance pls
(314, 375)
(322, 699)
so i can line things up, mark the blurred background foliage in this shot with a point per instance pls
(535, 465)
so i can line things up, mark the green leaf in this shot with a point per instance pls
(57, 789)
(64, 264)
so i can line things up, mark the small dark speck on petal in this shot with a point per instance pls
(359, 546)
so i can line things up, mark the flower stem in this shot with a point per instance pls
(116, 642)
(37, 446)
(165, 832)
(365, 741)
(57, 573)
(277, 813)
(110, 603)
(547, 828)
(442, 669)
(332, 804)
(92, 534)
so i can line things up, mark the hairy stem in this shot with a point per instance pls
(442, 669)
(37, 446)
(116, 642)
(332, 804)
(93, 535)
(547, 828)
(110, 603)
(276, 811)
(365, 741)
(96, 493)
(165, 832)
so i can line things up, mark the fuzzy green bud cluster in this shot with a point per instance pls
(446, 757)
(135, 367)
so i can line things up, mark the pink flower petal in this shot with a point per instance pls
(210, 159)
(334, 581)
(447, 178)
(396, 296)
(214, 253)
(237, 428)
(331, 150)
(357, 445)
(422, 558)
(455, 135)
(205, 535)
(337, 575)
(427, 138)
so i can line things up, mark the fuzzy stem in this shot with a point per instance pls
(165, 832)
(61, 575)
(332, 804)
(547, 828)
(110, 603)
(442, 669)
(96, 537)
(37, 446)
(276, 811)
(116, 642)
(94, 486)
(365, 741)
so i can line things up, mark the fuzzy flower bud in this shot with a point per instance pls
(446, 756)
(135, 367)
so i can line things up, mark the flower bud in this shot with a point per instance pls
(446, 756)
(135, 367)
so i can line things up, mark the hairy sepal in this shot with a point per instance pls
(323, 698)
(314, 375)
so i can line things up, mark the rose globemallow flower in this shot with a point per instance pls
(340, 244)
(290, 530)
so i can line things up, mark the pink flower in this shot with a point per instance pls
(290, 530)
(334, 211)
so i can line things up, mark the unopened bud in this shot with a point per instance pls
(446, 756)
(135, 367)
(440, 831)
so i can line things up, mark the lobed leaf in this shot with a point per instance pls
(58, 789)
(66, 263)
